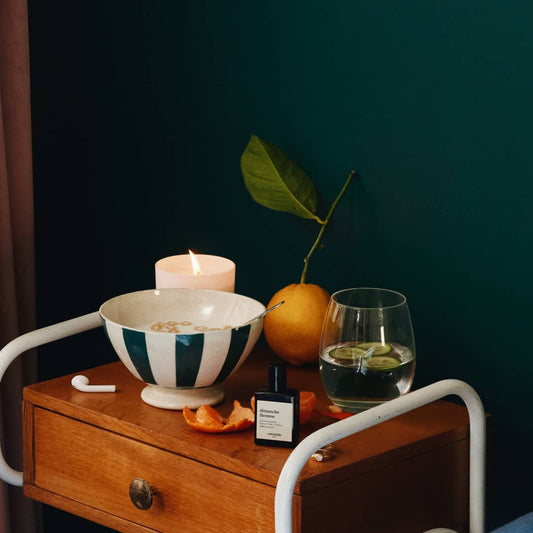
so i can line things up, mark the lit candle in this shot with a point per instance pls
(195, 271)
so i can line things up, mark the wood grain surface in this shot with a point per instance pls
(81, 450)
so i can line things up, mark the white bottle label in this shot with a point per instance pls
(274, 420)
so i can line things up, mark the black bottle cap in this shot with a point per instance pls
(277, 377)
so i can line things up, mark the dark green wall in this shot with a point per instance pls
(142, 109)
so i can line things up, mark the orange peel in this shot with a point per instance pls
(307, 406)
(209, 420)
(336, 412)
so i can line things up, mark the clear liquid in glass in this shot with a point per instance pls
(356, 379)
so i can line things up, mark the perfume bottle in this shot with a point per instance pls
(277, 411)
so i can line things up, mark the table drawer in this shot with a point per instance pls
(95, 467)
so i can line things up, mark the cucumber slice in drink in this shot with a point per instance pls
(382, 362)
(379, 349)
(347, 353)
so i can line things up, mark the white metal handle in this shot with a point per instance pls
(338, 430)
(31, 340)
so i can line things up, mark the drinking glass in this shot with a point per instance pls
(367, 348)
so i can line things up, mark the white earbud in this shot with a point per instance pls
(81, 383)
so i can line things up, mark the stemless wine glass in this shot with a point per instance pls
(367, 348)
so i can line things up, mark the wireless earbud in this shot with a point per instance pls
(81, 383)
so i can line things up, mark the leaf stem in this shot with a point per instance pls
(324, 225)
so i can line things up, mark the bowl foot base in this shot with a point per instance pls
(177, 399)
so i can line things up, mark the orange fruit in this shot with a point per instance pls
(209, 420)
(293, 329)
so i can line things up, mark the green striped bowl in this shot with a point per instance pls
(183, 343)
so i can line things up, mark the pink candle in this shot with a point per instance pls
(179, 271)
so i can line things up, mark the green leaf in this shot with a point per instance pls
(276, 182)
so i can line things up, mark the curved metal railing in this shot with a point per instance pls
(31, 340)
(338, 430)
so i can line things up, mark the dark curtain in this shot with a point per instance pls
(17, 270)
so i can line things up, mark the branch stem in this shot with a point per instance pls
(324, 225)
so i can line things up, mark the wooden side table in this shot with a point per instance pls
(82, 451)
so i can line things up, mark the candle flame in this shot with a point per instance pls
(195, 265)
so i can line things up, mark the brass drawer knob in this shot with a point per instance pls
(142, 493)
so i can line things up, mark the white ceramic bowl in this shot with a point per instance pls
(183, 343)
